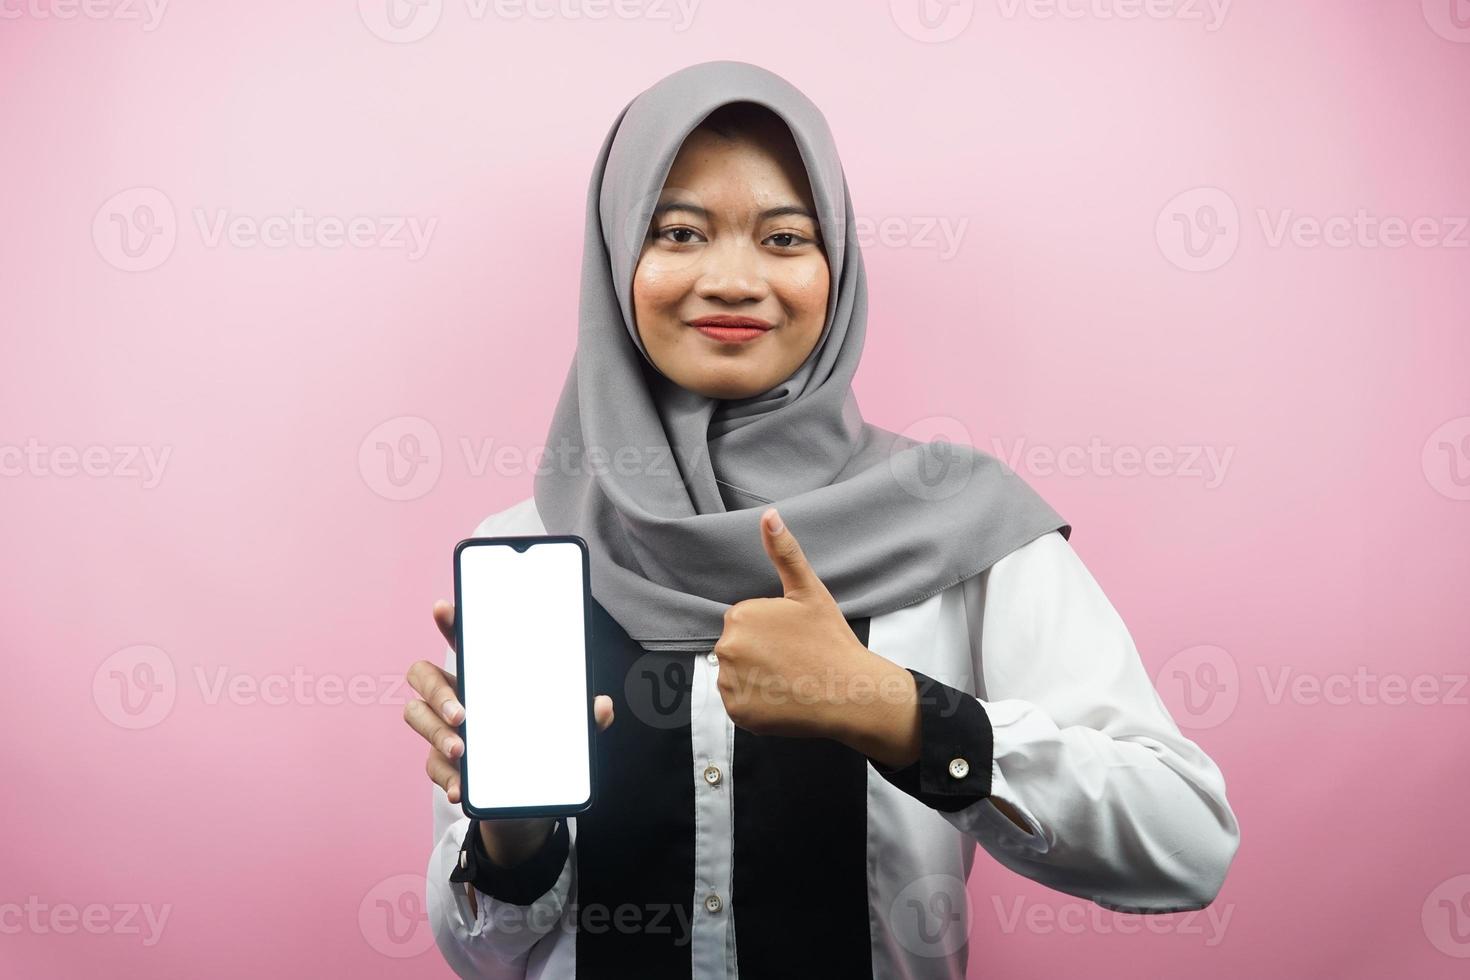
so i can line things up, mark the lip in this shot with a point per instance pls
(730, 329)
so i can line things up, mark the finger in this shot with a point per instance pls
(441, 738)
(797, 576)
(602, 710)
(445, 775)
(435, 687)
(444, 619)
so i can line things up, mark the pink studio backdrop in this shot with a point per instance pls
(1200, 272)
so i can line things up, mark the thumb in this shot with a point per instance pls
(797, 576)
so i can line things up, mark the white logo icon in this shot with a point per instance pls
(932, 21)
(401, 21)
(135, 687)
(401, 458)
(1450, 19)
(1201, 684)
(1199, 230)
(135, 230)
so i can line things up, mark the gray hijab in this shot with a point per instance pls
(667, 485)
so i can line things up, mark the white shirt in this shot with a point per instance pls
(1122, 809)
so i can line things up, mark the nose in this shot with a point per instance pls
(731, 273)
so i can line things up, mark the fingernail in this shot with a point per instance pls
(451, 710)
(449, 747)
(775, 522)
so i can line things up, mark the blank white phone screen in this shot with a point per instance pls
(525, 675)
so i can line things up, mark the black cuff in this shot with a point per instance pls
(956, 749)
(518, 885)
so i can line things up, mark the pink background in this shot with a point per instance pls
(269, 816)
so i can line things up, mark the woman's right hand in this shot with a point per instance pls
(436, 715)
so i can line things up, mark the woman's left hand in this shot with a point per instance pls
(791, 665)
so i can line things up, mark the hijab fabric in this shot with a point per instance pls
(667, 486)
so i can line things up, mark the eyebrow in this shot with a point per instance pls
(699, 212)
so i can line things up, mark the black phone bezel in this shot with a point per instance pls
(522, 542)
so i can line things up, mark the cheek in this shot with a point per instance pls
(804, 291)
(657, 286)
(658, 292)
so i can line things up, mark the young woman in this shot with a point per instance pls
(842, 658)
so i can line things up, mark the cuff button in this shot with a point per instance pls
(959, 768)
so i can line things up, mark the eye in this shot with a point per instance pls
(793, 240)
(676, 230)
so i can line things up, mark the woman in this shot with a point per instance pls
(825, 704)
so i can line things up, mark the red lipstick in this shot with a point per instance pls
(730, 329)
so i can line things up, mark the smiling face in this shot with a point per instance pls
(734, 238)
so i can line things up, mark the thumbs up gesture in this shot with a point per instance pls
(791, 665)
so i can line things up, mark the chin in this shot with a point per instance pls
(726, 384)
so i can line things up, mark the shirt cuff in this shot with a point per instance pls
(956, 749)
(520, 884)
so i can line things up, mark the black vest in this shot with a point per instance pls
(799, 894)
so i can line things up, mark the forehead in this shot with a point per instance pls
(748, 171)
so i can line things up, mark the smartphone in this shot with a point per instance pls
(523, 632)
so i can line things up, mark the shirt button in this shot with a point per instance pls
(713, 658)
(712, 902)
(712, 775)
(959, 768)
